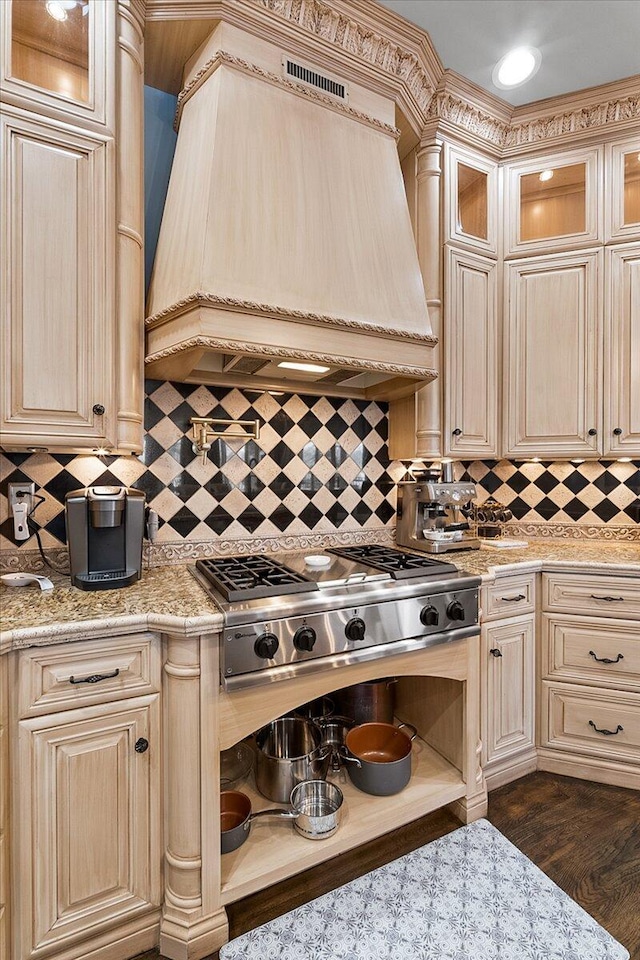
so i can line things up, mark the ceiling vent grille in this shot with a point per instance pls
(311, 78)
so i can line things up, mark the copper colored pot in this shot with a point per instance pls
(379, 757)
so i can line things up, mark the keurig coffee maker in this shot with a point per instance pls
(105, 526)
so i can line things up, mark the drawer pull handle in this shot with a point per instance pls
(521, 596)
(606, 733)
(594, 596)
(606, 659)
(96, 677)
(495, 652)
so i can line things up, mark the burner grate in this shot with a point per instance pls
(399, 564)
(253, 577)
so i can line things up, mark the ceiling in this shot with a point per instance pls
(583, 42)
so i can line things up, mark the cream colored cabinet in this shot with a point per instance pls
(471, 200)
(71, 229)
(590, 677)
(471, 356)
(86, 845)
(553, 357)
(622, 180)
(554, 202)
(508, 679)
(622, 351)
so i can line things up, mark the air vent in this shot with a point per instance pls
(312, 78)
(338, 376)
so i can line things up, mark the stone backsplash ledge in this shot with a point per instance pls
(319, 473)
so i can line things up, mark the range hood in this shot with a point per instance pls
(286, 235)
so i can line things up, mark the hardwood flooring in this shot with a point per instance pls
(584, 836)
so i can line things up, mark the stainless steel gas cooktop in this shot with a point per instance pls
(285, 617)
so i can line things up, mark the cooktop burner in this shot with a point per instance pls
(397, 563)
(253, 577)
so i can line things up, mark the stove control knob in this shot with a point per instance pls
(429, 616)
(265, 646)
(304, 639)
(455, 610)
(355, 629)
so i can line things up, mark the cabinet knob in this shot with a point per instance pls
(457, 432)
(98, 409)
(617, 431)
(592, 432)
(141, 745)
(495, 652)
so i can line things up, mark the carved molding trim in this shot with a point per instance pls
(344, 32)
(575, 531)
(286, 353)
(445, 106)
(570, 122)
(265, 309)
(238, 63)
(160, 554)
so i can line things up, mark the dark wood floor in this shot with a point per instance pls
(585, 836)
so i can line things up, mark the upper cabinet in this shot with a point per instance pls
(471, 200)
(622, 350)
(553, 203)
(58, 58)
(622, 176)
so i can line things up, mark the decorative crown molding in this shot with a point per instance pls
(229, 60)
(570, 122)
(447, 106)
(368, 45)
(268, 310)
(285, 353)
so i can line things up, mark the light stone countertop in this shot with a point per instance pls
(168, 599)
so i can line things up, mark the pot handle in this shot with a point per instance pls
(411, 727)
(321, 752)
(342, 753)
(275, 812)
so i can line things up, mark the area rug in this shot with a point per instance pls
(470, 895)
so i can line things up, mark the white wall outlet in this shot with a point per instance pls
(21, 493)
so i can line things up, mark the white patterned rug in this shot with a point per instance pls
(470, 895)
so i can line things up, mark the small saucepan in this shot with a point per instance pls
(236, 818)
(379, 757)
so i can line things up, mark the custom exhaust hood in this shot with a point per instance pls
(286, 236)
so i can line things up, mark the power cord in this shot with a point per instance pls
(35, 529)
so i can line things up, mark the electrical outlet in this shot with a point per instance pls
(19, 492)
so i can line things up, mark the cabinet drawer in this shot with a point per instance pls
(574, 718)
(508, 597)
(71, 675)
(585, 649)
(617, 597)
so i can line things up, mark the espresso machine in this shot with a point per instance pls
(105, 527)
(434, 511)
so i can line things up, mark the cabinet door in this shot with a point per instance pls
(508, 715)
(88, 847)
(622, 352)
(58, 361)
(553, 202)
(553, 358)
(622, 190)
(471, 200)
(471, 356)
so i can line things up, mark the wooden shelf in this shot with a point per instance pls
(274, 851)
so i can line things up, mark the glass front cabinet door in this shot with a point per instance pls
(553, 203)
(622, 196)
(471, 200)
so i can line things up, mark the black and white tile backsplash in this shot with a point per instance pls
(320, 467)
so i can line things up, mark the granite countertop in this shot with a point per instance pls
(169, 599)
(165, 599)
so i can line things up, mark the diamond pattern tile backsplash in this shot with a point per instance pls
(320, 467)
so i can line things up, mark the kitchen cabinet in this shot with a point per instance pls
(507, 658)
(85, 761)
(553, 202)
(622, 350)
(552, 356)
(471, 372)
(471, 200)
(622, 179)
(72, 233)
(590, 678)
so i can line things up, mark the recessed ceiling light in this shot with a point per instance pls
(307, 367)
(545, 175)
(516, 66)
